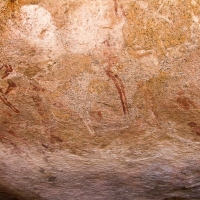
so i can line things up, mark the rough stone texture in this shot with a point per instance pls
(99, 99)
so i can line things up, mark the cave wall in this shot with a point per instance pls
(99, 99)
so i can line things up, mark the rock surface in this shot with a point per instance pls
(99, 99)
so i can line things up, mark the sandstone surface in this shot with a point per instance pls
(100, 99)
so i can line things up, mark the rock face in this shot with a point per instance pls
(99, 99)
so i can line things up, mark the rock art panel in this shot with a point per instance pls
(99, 99)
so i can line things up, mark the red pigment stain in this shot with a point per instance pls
(10, 140)
(107, 43)
(38, 89)
(16, 136)
(45, 146)
(16, 149)
(13, 134)
(195, 127)
(7, 113)
(7, 103)
(54, 139)
(123, 12)
(100, 115)
(11, 86)
(97, 115)
(184, 102)
(8, 70)
(116, 7)
(38, 102)
(192, 124)
(119, 86)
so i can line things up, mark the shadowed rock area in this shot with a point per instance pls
(99, 100)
